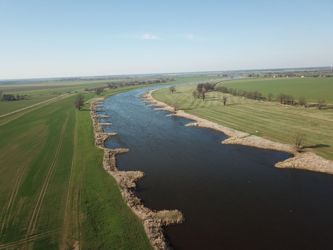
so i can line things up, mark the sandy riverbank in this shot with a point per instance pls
(304, 160)
(153, 221)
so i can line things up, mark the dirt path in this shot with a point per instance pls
(35, 214)
(31, 106)
(69, 216)
(8, 209)
(19, 243)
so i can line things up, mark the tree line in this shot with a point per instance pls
(11, 97)
(79, 100)
(202, 89)
(281, 98)
(285, 99)
(254, 95)
(118, 84)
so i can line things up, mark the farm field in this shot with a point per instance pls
(33, 85)
(266, 119)
(313, 89)
(7, 107)
(37, 92)
(55, 193)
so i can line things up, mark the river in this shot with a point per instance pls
(232, 196)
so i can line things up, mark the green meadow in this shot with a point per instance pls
(35, 94)
(54, 190)
(313, 89)
(270, 120)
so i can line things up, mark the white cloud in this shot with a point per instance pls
(148, 36)
(193, 37)
(189, 36)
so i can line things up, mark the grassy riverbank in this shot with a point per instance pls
(266, 119)
(54, 191)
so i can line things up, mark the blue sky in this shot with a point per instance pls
(44, 38)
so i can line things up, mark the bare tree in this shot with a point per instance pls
(201, 90)
(321, 104)
(195, 94)
(225, 99)
(203, 93)
(79, 102)
(175, 104)
(175, 107)
(99, 91)
(286, 99)
(299, 141)
(302, 101)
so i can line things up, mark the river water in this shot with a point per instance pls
(232, 196)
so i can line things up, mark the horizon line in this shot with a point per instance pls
(164, 73)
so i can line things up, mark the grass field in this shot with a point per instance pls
(33, 96)
(42, 91)
(33, 85)
(313, 89)
(7, 107)
(267, 119)
(54, 191)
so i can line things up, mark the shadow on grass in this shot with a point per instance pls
(317, 146)
(186, 108)
(211, 98)
(233, 104)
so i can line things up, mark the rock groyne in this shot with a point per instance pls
(301, 160)
(153, 221)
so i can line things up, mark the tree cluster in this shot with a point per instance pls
(255, 95)
(295, 74)
(282, 98)
(117, 84)
(97, 90)
(12, 97)
(202, 89)
(286, 99)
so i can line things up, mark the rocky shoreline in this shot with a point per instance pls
(153, 221)
(301, 160)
